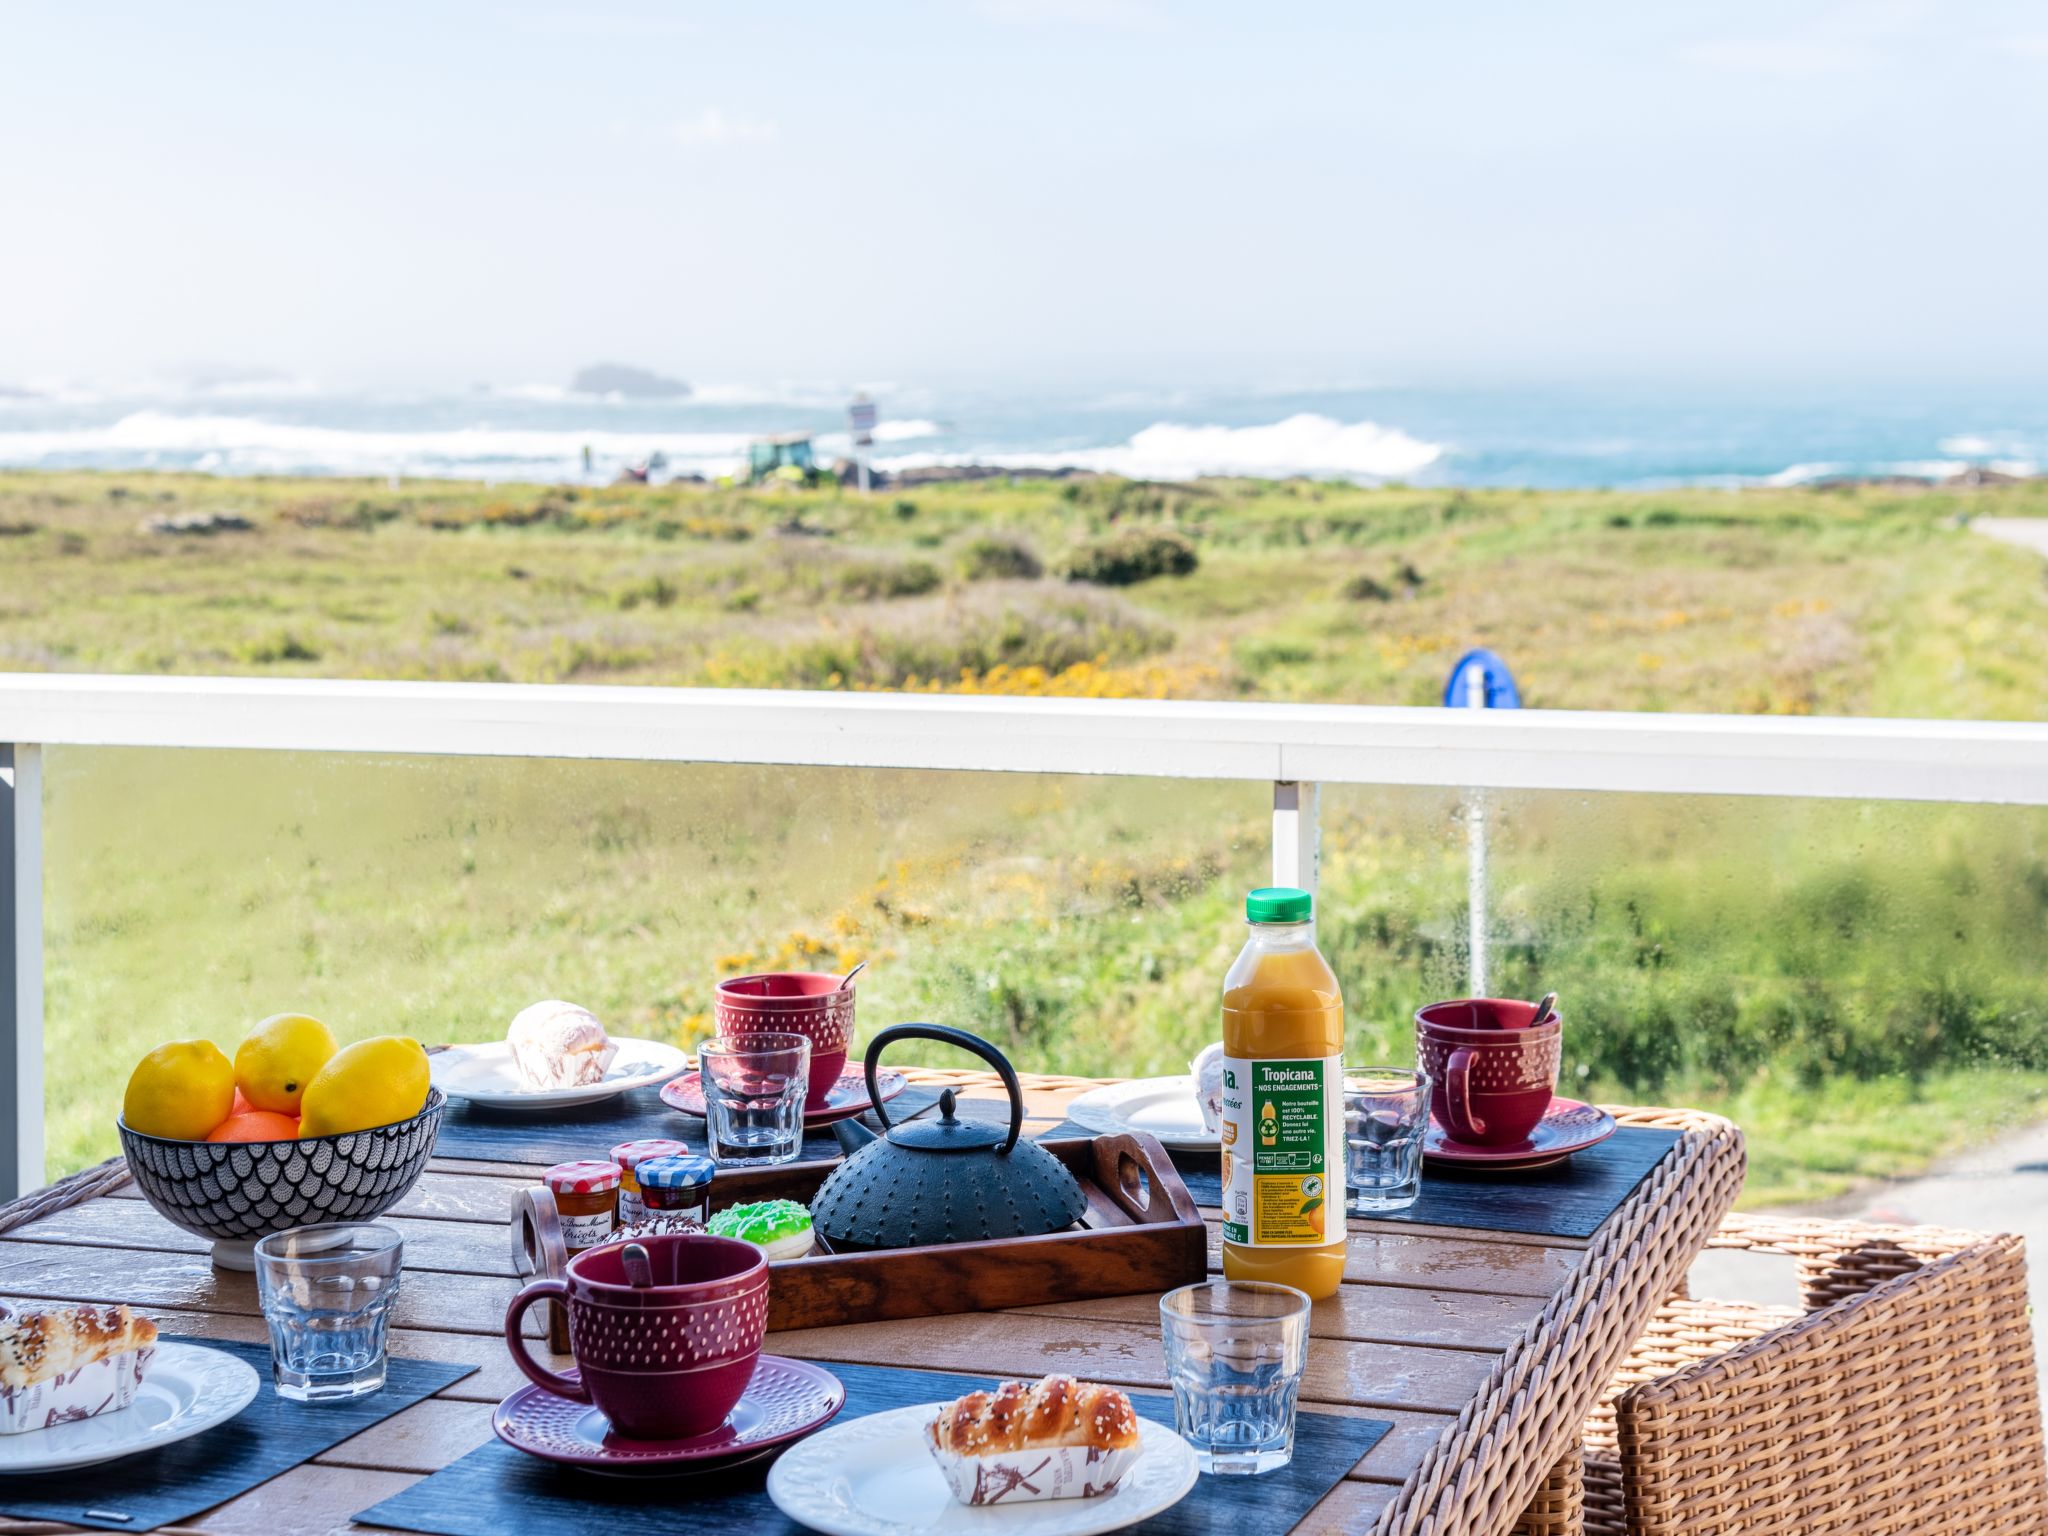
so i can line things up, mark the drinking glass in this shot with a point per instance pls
(327, 1293)
(754, 1096)
(1235, 1350)
(1386, 1112)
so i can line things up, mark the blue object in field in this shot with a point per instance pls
(1479, 669)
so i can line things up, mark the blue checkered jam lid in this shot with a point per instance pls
(672, 1172)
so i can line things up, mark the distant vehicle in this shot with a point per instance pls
(785, 458)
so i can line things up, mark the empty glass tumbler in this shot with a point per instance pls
(1235, 1351)
(754, 1096)
(1386, 1112)
(327, 1293)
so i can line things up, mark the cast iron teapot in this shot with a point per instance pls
(943, 1180)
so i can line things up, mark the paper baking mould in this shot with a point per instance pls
(104, 1386)
(1025, 1477)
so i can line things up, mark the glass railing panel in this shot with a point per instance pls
(1860, 984)
(1082, 923)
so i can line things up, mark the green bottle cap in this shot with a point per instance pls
(1278, 904)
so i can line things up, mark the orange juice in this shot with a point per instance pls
(1283, 1102)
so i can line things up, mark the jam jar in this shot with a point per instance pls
(587, 1200)
(679, 1185)
(629, 1155)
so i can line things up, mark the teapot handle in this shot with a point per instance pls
(945, 1034)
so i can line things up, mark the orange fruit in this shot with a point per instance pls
(241, 1106)
(256, 1125)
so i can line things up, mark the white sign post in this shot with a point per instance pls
(860, 418)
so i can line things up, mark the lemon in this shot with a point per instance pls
(281, 1055)
(180, 1091)
(373, 1082)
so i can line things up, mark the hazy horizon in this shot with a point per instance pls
(1028, 191)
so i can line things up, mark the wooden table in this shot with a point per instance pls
(1484, 1350)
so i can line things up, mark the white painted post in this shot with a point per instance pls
(1475, 854)
(21, 967)
(1297, 834)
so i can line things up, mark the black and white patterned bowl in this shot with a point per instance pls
(237, 1191)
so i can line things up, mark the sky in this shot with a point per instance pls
(437, 194)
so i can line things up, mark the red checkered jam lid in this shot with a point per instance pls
(587, 1176)
(630, 1154)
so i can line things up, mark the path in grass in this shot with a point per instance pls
(2026, 532)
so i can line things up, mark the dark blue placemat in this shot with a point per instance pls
(496, 1489)
(1570, 1199)
(591, 1130)
(174, 1483)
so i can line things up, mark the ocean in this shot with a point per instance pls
(1618, 436)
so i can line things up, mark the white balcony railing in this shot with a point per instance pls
(1293, 747)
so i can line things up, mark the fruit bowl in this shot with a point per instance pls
(238, 1191)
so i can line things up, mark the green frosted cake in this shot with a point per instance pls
(781, 1227)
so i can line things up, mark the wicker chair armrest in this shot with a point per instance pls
(1837, 1259)
(1928, 1375)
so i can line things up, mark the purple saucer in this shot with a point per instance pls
(786, 1400)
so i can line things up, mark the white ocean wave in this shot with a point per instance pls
(1800, 474)
(1304, 444)
(254, 386)
(1997, 450)
(252, 444)
(833, 445)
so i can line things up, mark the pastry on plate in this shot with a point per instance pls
(781, 1227)
(1057, 1438)
(63, 1363)
(558, 1045)
(1053, 1439)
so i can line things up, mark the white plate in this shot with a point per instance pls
(185, 1388)
(1165, 1107)
(874, 1477)
(483, 1074)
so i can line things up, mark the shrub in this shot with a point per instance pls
(1134, 555)
(341, 512)
(990, 558)
(657, 590)
(938, 639)
(1368, 589)
(868, 580)
(282, 646)
(1401, 582)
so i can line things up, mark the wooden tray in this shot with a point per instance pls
(1141, 1232)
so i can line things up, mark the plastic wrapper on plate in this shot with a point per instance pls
(103, 1386)
(1207, 1071)
(558, 1045)
(1022, 1477)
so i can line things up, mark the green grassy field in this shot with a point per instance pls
(1859, 984)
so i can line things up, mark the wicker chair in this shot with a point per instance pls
(1902, 1398)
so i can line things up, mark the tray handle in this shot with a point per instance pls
(1127, 1169)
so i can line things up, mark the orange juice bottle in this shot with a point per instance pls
(1283, 1102)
